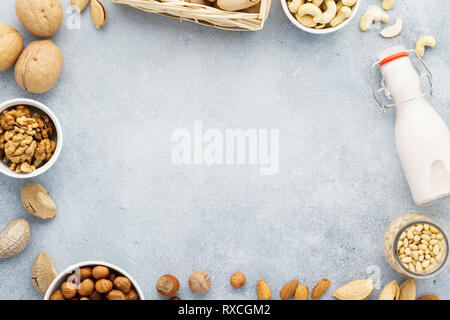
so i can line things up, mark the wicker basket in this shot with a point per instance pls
(205, 15)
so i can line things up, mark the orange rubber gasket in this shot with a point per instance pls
(393, 57)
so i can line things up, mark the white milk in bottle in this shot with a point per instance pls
(422, 138)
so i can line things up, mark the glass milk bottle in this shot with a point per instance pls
(422, 138)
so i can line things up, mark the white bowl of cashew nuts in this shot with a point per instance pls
(320, 16)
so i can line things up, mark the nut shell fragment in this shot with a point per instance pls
(42, 272)
(15, 238)
(37, 201)
(390, 292)
(98, 13)
(355, 290)
(408, 290)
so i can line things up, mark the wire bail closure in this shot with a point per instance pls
(378, 91)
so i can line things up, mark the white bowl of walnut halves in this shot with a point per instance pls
(30, 138)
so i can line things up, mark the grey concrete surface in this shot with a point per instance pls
(126, 88)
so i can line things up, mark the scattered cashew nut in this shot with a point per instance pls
(371, 16)
(424, 41)
(42, 273)
(15, 238)
(343, 14)
(328, 15)
(392, 30)
(388, 4)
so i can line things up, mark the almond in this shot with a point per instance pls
(263, 290)
(408, 290)
(288, 290)
(320, 288)
(301, 293)
(429, 297)
(390, 292)
(355, 290)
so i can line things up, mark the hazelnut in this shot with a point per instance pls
(132, 295)
(85, 273)
(167, 285)
(86, 287)
(84, 298)
(123, 284)
(112, 276)
(237, 280)
(103, 286)
(115, 295)
(69, 290)
(57, 295)
(100, 272)
(199, 282)
(96, 296)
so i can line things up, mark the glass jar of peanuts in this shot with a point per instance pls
(416, 246)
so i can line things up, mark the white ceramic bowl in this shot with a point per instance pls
(318, 31)
(58, 137)
(56, 284)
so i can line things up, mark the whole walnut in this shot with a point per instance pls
(11, 45)
(41, 17)
(39, 66)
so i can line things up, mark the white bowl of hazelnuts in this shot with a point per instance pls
(94, 280)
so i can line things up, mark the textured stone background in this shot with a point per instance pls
(120, 199)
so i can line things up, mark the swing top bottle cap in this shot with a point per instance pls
(391, 54)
